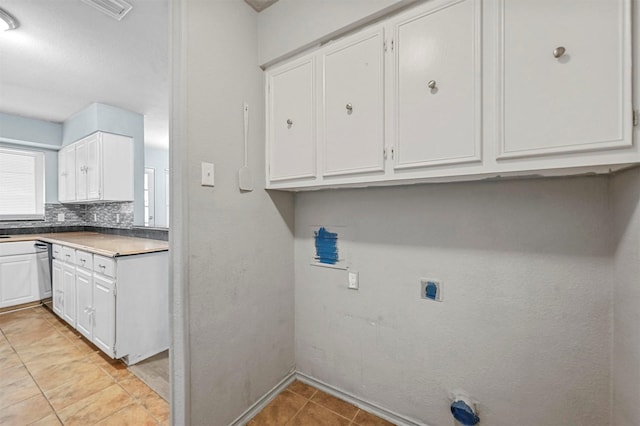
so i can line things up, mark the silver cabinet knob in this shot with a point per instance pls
(289, 122)
(559, 51)
(431, 84)
(349, 107)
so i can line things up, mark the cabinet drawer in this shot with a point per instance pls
(56, 252)
(84, 259)
(68, 255)
(104, 265)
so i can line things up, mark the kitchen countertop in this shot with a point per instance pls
(103, 244)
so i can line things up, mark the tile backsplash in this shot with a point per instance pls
(108, 215)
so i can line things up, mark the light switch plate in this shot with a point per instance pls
(207, 174)
(353, 281)
(60, 217)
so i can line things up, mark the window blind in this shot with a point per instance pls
(21, 184)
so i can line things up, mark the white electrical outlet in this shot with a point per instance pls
(353, 281)
(431, 289)
(95, 217)
(117, 217)
(60, 217)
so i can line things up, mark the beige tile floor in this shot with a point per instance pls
(50, 375)
(304, 405)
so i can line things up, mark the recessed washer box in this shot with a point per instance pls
(431, 289)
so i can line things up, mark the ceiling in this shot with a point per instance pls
(66, 55)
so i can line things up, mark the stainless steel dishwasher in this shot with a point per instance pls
(44, 257)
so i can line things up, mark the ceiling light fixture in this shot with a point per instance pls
(7, 22)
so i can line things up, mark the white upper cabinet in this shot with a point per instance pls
(98, 167)
(67, 174)
(564, 74)
(88, 167)
(353, 107)
(81, 170)
(453, 90)
(437, 85)
(291, 122)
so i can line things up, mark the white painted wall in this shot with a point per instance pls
(235, 250)
(289, 25)
(625, 206)
(625, 201)
(525, 326)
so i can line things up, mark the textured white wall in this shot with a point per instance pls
(625, 196)
(525, 326)
(240, 246)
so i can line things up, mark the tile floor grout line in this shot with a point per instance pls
(353, 420)
(139, 401)
(86, 356)
(297, 412)
(335, 412)
(55, 413)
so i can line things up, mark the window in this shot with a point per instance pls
(149, 196)
(21, 185)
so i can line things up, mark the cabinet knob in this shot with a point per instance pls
(431, 84)
(289, 122)
(349, 108)
(559, 51)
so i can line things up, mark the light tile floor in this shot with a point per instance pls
(50, 375)
(304, 405)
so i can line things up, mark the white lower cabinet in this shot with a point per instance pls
(18, 279)
(58, 291)
(24, 273)
(119, 304)
(84, 302)
(103, 313)
(69, 293)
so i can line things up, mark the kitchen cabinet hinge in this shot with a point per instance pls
(635, 117)
(392, 45)
(384, 45)
(384, 153)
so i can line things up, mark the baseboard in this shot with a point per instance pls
(383, 413)
(262, 402)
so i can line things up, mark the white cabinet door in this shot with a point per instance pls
(104, 313)
(292, 122)
(437, 85)
(353, 105)
(69, 293)
(62, 177)
(81, 170)
(94, 167)
(564, 73)
(58, 288)
(67, 174)
(18, 279)
(84, 302)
